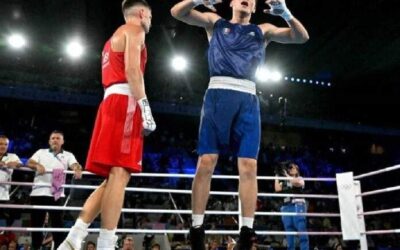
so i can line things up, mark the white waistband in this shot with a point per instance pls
(118, 88)
(226, 82)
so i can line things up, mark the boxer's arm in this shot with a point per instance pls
(133, 48)
(134, 40)
(296, 33)
(183, 11)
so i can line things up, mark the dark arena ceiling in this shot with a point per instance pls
(353, 44)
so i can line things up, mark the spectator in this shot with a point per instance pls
(156, 246)
(90, 245)
(128, 242)
(292, 205)
(54, 159)
(12, 245)
(8, 162)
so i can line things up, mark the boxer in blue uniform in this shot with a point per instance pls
(231, 114)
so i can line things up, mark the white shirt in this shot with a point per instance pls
(5, 175)
(46, 157)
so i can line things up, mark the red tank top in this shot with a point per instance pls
(113, 65)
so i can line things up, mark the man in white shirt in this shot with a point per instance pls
(53, 160)
(8, 162)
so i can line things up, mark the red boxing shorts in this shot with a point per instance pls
(117, 139)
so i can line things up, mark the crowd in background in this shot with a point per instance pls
(172, 149)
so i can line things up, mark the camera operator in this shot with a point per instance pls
(293, 205)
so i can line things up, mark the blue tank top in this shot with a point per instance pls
(235, 50)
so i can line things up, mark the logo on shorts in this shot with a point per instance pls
(226, 31)
(140, 163)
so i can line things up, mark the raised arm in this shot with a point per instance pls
(184, 11)
(295, 33)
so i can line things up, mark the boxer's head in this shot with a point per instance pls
(244, 7)
(138, 9)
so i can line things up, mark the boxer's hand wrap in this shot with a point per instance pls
(208, 3)
(149, 125)
(279, 8)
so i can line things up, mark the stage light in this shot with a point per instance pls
(179, 63)
(74, 49)
(16, 41)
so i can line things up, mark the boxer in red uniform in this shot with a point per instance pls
(123, 118)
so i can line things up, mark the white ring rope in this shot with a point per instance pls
(383, 211)
(389, 231)
(226, 177)
(222, 232)
(169, 211)
(169, 231)
(175, 191)
(163, 231)
(379, 191)
(395, 167)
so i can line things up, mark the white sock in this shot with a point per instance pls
(78, 233)
(107, 234)
(247, 221)
(107, 239)
(197, 220)
(81, 224)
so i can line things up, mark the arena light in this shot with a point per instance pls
(179, 63)
(74, 49)
(308, 81)
(16, 41)
(276, 76)
(263, 74)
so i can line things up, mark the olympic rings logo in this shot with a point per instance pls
(346, 186)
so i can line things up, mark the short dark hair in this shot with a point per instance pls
(57, 132)
(124, 236)
(90, 243)
(293, 165)
(3, 137)
(156, 245)
(127, 4)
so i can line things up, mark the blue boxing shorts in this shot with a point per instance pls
(230, 120)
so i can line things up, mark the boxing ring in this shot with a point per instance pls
(355, 194)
